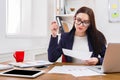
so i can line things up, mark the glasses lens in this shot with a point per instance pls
(84, 23)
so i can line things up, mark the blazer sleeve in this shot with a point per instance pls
(102, 54)
(54, 49)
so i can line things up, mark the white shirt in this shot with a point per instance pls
(81, 44)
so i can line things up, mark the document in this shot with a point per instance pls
(77, 55)
(4, 66)
(74, 70)
(31, 63)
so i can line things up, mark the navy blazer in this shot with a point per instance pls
(66, 41)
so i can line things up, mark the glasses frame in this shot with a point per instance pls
(84, 23)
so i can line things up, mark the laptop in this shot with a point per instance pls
(111, 60)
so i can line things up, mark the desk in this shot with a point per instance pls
(47, 76)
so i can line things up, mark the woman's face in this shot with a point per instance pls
(81, 22)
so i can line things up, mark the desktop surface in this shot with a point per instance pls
(54, 76)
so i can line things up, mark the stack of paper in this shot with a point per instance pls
(31, 63)
(74, 70)
(3, 66)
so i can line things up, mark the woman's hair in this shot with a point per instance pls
(96, 38)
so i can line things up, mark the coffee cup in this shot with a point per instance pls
(19, 56)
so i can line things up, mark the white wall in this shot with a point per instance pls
(37, 20)
(8, 44)
(110, 30)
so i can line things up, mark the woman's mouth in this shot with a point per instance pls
(80, 28)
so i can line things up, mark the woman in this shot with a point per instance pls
(84, 31)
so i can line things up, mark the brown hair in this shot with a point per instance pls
(96, 38)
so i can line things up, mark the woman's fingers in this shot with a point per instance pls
(54, 28)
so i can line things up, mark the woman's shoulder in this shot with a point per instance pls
(101, 37)
(66, 35)
(70, 33)
(100, 34)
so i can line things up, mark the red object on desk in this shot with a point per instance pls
(63, 58)
(19, 56)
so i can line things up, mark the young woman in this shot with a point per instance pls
(84, 36)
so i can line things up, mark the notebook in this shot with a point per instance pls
(111, 60)
(22, 73)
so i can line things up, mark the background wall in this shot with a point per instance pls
(8, 44)
(110, 30)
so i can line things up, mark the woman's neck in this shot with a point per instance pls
(80, 34)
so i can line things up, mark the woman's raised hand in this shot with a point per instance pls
(54, 28)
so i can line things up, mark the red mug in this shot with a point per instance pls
(19, 56)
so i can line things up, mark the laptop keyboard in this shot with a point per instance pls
(96, 68)
(99, 68)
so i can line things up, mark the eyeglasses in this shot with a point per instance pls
(85, 23)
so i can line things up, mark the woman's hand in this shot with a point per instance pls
(91, 61)
(54, 29)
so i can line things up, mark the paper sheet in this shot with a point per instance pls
(31, 63)
(4, 66)
(74, 70)
(76, 54)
